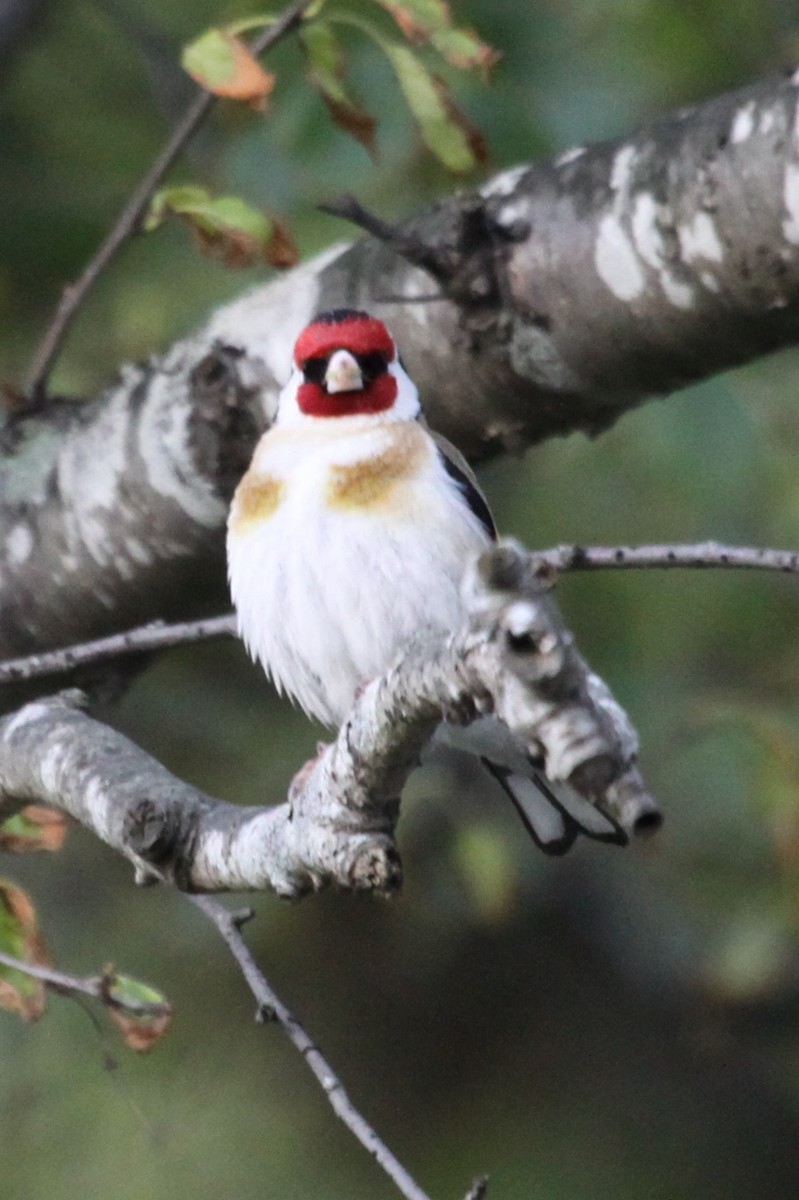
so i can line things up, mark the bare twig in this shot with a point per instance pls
(270, 1007)
(156, 636)
(99, 987)
(128, 222)
(414, 249)
(696, 555)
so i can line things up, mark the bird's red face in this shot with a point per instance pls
(344, 358)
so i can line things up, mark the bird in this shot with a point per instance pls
(347, 541)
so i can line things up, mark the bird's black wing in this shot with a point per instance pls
(461, 473)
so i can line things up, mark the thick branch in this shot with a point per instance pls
(514, 659)
(113, 512)
(577, 288)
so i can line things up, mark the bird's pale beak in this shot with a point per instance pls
(343, 373)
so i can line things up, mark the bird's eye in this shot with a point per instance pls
(314, 370)
(372, 364)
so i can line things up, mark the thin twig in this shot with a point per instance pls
(270, 1007)
(96, 986)
(555, 561)
(128, 222)
(156, 636)
(696, 555)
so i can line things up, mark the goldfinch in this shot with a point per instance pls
(347, 543)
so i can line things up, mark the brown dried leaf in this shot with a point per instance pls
(141, 1013)
(280, 250)
(19, 937)
(34, 828)
(141, 1033)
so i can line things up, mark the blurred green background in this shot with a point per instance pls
(615, 1024)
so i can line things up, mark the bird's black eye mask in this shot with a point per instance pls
(372, 365)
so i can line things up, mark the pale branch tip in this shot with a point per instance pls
(229, 926)
(128, 222)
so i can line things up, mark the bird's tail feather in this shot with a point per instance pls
(554, 814)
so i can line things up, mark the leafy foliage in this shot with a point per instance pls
(19, 938)
(225, 227)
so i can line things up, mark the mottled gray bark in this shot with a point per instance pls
(577, 288)
(113, 511)
(514, 658)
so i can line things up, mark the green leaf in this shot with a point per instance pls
(225, 227)
(326, 72)
(444, 129)
(210, 59)
(131, 993)
(463, 48)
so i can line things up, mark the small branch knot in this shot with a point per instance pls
(149, 832)
(377, 868)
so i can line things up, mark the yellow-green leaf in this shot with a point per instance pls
(444, 129)
(225, 227)
(463, 48)
(140, 1012)
(220, 62)
(326, 69)
(19, 938)
(34, 828)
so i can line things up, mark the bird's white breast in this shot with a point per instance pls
(346, 544)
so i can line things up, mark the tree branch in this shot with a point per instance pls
(270, 1007)
(695, 555)
(98, 987)
(576, 289)
(513, 658)
(145, 638)
(550, 563)
(128, 222)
